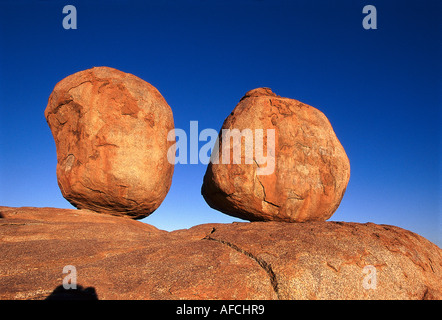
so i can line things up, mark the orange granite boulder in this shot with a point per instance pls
(110, 130)
(300, 173)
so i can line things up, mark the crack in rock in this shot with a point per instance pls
(262, 263)
(263, 189)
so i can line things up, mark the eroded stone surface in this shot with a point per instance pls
(110, 129)
(309, 170)
(124, 259)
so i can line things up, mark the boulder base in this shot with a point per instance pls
(118, 258)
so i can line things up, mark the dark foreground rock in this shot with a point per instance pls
(119, 258)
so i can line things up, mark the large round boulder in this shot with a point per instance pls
(110, 130)
(277, 159)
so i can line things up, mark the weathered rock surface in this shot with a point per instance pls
(110, 130)
(118, 258)
(311, 168)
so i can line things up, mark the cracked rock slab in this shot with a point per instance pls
(125, 259)
(110, 130)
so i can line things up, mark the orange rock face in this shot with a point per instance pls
(119, 258)
(110, 130)
(306, 171)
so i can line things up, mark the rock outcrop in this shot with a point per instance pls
(306, 171)
(110, 130)
(119, 258)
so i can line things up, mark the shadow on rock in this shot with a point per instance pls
(60, 293)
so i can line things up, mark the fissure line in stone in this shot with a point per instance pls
(262, 263)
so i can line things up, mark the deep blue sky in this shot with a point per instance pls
(379, 88)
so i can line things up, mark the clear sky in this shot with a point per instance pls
(379, 88)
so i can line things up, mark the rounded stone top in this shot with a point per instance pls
(258, 92)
